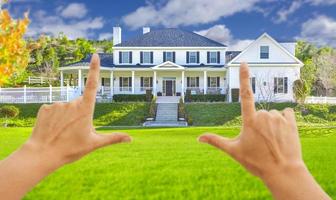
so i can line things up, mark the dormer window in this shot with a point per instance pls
(169, 56)
(264, 52)
(125, 57)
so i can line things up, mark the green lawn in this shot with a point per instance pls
(228, 114)
(169, 164)
(106, 114)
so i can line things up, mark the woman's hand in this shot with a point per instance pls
(63, 133)
(269, 147)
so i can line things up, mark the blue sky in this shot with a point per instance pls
(233, 22)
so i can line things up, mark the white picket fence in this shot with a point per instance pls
(38, 95)
(321, 100)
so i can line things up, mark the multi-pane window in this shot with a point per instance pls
(264, 52)
(146, 83)
(192, 57)
(213, 82)
(146, 57)
(192, 82)
(125, 83)
(213, 57)
(169, 56)
(280, 85)
(125, 57)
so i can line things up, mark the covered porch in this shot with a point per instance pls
(167, 79)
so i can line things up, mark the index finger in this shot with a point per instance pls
(246, 94)
(90, 91)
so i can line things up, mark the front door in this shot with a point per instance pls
(169, 88)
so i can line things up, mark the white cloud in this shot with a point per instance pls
(185, 12)
(73, 10)
(321, 2)
(283, 14)
(222, 34)
(105, 36)
(320, 30)
(53, 25)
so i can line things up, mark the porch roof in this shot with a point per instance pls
(106, 60)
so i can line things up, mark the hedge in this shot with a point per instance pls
(208, 98)
(130, 98)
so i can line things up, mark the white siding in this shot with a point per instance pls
(276, 54)
(267, 74)
(180, 56)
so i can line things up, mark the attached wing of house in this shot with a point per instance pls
(170, 62)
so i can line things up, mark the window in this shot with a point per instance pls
(169, 56)
(105, 82)
(125, 57)
(214, 82)
(146, 57)
(214, 57)
(192, 82)
(146, 83)
(253, 84)
(280, 85)
(192, 57)
(264, 52)
(125, 83)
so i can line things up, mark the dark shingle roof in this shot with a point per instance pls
(106, 60)
(170, 37)
(230, 55)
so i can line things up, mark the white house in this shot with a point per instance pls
(171, 61)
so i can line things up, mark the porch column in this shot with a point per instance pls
(111, 84)
(205, 82)
(62, 80)
(154, 84)
(133, 80)
(182, 85)
(80, 79)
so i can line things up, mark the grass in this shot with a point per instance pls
(169, 164)
(215, 114)
(109, 114)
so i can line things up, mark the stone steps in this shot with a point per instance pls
(166, 116)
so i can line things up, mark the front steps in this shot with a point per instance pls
(166, 116)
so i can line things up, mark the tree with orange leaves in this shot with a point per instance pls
(14, 54)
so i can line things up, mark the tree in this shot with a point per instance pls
(326, 69)
(14, 54)
(300, 89)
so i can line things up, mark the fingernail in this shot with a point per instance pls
(126, 139)
(203, 139)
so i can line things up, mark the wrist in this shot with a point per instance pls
(285, 173)
(40, 158)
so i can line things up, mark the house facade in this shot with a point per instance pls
(171, 61)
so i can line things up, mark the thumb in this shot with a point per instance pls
(219, 142)
(102, 140)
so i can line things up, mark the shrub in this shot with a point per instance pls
(149, 95)
(188, 96)
(181, 109)
(129, 97)
(152, 109)
(9, 111)
(208, 98)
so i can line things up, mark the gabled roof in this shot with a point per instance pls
(106, 60)
(296, 61)
(170, 37)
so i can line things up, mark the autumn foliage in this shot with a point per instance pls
(14, 54)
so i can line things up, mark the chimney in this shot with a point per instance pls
(116, 35)
(146, 30)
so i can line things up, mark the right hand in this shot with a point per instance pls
(269, 141)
